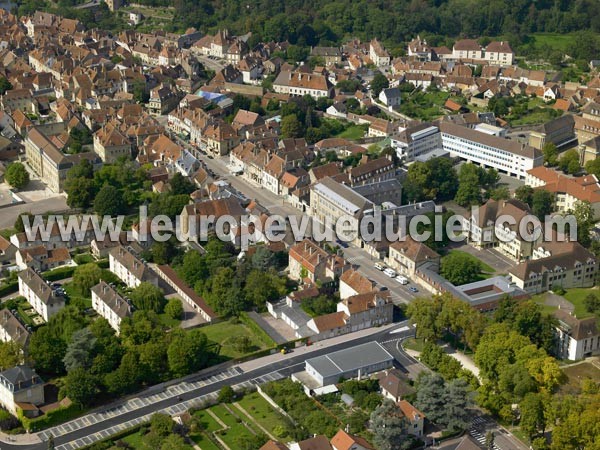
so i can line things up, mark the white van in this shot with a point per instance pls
(379, 266)
(390, 272)
(402, 280)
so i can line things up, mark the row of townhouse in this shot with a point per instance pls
(496, 52)
(567, 191)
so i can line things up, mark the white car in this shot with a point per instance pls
(379, 266)
(390, 272)
(402, 280)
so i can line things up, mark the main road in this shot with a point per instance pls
(195, 391)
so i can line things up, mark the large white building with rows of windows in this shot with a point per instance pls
(488, 150)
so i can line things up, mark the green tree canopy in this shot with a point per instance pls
(16, 175)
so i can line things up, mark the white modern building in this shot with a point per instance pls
(414, 142)
(504, 155)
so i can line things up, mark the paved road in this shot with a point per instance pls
(178, 398)
(9, 215)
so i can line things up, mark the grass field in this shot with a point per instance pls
(203, 442)
(540, 300)
(415, 344)
(576, 296)
(354, 132)
(576, 374)
(221, 333)
(238, 425)
(262, 412)
(424, 105)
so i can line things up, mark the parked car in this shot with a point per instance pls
(390, 272)
(413, 289)
(379, 266)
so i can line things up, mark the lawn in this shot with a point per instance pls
(486, 270)
(261, 412)
(222, 332)
(576, 296)
(210, 424)
(424, 105)
(534, 117)
(354, 132)
(134, 440)
(75, 297)
(203, 442)
(540, 300)
(414, 344)
(226, 417)
(576, 374)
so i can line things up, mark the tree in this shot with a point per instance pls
(47, 351)
(499, 193)
(533, 417)
(79, 350)
(5, 85)
(140, 93)
(593, 167)
(81, 387)
(591, 303)
(569, 162)
(423, 312)
(469, 187)
(460, 268)
(291, 127)
(108, 201)
(174, 309)
(187, 352)
(525, 194)
(161, 424)
(263, 258)
(435, 179)
(174, 442)
(85, 277)
(388, 426)
(80, 192)
(181, 185)
(584, 215)
(489, 440)
(16, 175)
(445, 404)
(542, 203)
(262, 287)
(10, 355)
(550, 153)
(379, 83)
(148, 297)
(226, 395)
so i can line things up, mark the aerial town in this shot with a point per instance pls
(459, 310)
